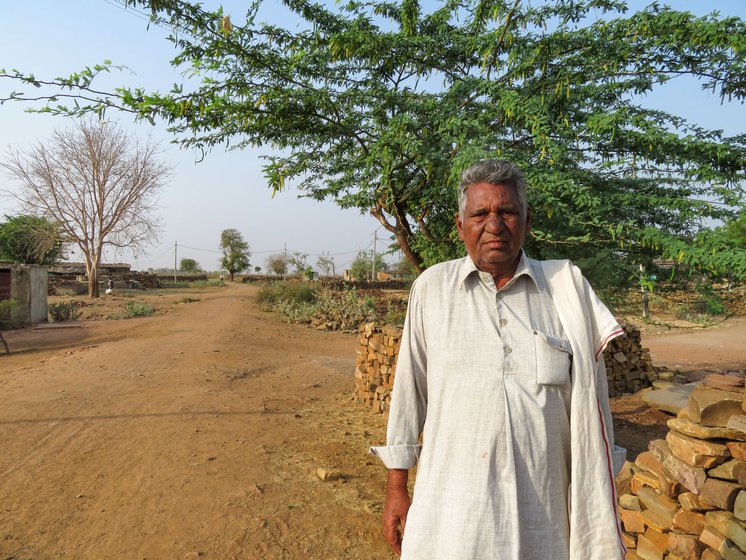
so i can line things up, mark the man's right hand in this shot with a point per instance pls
(396, 508)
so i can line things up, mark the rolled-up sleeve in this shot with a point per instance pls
(409, 397)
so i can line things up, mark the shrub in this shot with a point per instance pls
(348, 309)
(171, 284)
(710, 303)
(288, 292)
(135, 309)
(64, 311)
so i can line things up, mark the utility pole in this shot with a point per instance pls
(373, 263)
(175, 250)
(644, 289)
(285, 261)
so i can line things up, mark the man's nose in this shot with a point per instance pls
(495, 223)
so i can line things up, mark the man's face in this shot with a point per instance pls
(493, 227)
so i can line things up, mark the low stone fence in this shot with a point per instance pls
(628, 364)
(684, 498)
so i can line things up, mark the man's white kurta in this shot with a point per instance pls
(485, 377)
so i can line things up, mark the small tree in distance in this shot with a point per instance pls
(97, 183)
(326, 264)
(278, 264)
(235, 252)
(362, 266)
(189, 265)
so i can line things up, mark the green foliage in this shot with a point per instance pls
(404, 268)
(325, 262)
(710, 303)
(211, 283)
(7, 305)
(189, 265)
(64, 311)
(380, 105)
(293, 292)
(735, 230)
(300, 302)
(137, 309)
(235, 252)
(299, 262)
(362, 267)
(30, 240)
(6, 308)
(347, 310)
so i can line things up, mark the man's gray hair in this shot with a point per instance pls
(494, 172)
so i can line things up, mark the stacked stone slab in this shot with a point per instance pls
(684, 498)
(628, 364)
(378, 346)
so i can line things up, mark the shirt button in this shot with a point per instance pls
(503, 322)
(508, 349)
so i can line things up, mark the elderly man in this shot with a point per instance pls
(500, 374)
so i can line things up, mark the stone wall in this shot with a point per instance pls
(684, 498)
(628, 364)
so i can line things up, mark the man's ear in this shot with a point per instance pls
(528, 219)
(460, 226)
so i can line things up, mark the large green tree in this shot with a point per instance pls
(30, 240)
(379, 105)
(235, 252)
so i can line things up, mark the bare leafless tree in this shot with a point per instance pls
(98, 182)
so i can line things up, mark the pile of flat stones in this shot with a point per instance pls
(684, 498)
(628, 365)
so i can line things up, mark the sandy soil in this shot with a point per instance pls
(197, 433)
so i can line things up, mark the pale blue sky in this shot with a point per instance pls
(227, 189)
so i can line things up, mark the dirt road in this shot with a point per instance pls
(195, 433)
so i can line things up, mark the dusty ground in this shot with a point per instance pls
(197, 433)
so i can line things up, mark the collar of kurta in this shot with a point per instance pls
(530, 268)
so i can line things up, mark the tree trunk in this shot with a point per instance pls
(231, 273)
(413, 257)
(93, 290)
(402, 232)
(91, 268)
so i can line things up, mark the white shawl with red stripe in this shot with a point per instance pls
(589, 325)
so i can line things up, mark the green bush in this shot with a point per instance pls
(135, 309)
(288, 292)
(171, 284)
(349, 309)
(710, 303)
(64, 311)
(301, 302)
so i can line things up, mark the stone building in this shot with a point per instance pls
(26, 284)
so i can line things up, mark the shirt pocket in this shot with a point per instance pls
(553, 359)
